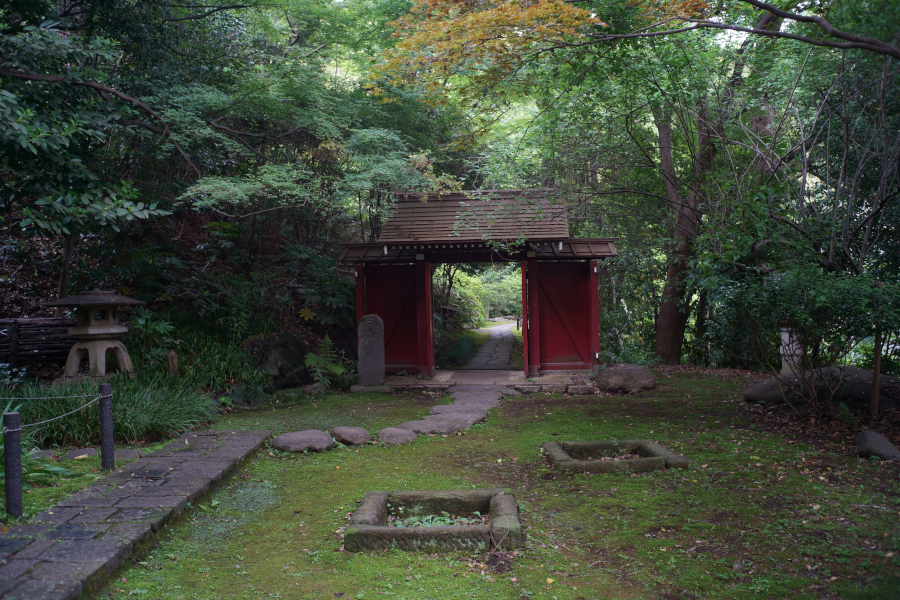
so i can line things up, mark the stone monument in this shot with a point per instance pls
(371, 351)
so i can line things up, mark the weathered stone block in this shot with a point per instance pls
(625, 378)
(368, 528)
(554, 388)
(581, 390)
(527, 388)
(370, 366)
(585, 456)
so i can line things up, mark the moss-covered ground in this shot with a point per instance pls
(756, 516)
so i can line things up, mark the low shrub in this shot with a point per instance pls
(149, 407)
(459, 353)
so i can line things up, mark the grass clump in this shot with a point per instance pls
(146, 408)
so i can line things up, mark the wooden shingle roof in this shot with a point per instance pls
(478, 215)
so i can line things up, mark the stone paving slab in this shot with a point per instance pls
(72, 548)
(495, 353)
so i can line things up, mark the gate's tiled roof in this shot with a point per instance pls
(496, 215)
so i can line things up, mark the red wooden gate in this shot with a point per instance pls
(401, 296)
(563, 316)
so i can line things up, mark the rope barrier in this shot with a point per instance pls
(5, 430)
(44, 397)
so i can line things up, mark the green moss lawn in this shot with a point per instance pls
(756, 516)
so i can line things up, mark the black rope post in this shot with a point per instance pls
(107, 449)
(12, 442)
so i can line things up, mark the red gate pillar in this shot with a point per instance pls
(594, 307)
(524, 317)
(360, 295)
(424, 319)
(534, 347)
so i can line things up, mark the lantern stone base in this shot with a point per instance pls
(96, 352)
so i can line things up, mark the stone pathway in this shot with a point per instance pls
(471, 404)
(495, 353)
(73, 547)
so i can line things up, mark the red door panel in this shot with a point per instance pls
(390, 293)
(565, 316)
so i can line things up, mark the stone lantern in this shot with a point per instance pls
(98, 329)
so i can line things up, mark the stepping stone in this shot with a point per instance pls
(44, 454)
(466, 419)
(351, 436)
(424, 427)
(443, 409)
(473, 401)
(485, 394)
(129, 454)
(446, 423)
(312, 440)
(81, 453)
(394, 436)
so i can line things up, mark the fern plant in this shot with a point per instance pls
(324, 366)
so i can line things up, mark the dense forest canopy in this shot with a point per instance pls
(211, 158)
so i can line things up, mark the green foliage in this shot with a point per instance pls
(502, 290)
(325, 366)
(323, 290)
(50, 130)
(207, 362)
(444, 519)
(148, 407)
(826, 312)
(10, 376)
(863, 356)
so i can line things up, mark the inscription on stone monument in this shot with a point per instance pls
(371, 350)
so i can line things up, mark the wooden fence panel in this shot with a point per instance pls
(35, 341)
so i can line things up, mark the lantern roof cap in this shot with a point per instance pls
(97, 298)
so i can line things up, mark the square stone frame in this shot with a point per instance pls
(563, 455)
(368, 528)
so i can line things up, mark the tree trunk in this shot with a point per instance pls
(673, 310)
(62, 291)
(876, 372)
